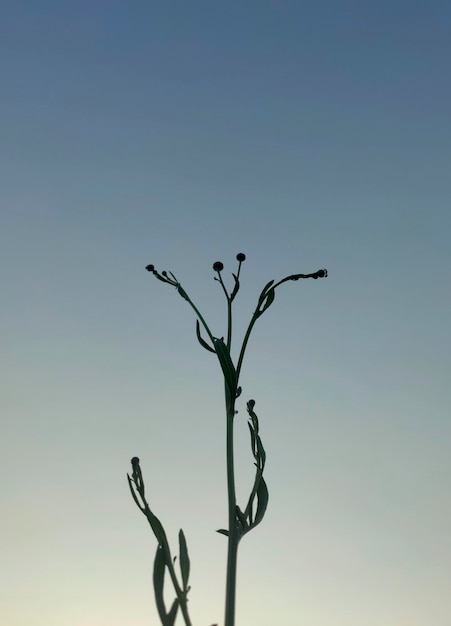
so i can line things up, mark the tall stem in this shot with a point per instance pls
(233, 530)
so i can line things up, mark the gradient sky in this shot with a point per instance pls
(307, 135)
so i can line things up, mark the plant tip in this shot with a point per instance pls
(240, 257)
(135, 461)
(218, 266)
(150, 268)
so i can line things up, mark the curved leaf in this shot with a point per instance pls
(159, 566)
(269, 300)
(263, 497)
(202, 342)
(236, 288)
(263, 293)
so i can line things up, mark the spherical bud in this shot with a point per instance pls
(150, 268)
(322, 273)
(240, 257)
(251, 404)
(218, 266)
(135, 461)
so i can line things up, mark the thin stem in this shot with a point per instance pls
(257, 313)
(245, 340)
(229, 323)
(229, 312)
(233, 538)
(222, 285)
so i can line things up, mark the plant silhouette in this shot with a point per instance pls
(241, 520)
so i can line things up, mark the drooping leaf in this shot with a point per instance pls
(202, 342)
(184, 559)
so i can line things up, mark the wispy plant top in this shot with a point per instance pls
(265, 300)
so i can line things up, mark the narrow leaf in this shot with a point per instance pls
(182, 292)
(222, 531)
(236, 288)
(251, 512)
(263, 497)
(263, 293)
(159, 566)
(269, 300)
(132, 490)
(202, 342)
(251, 430)
(261, 452)
(156, 525)
(184, 559)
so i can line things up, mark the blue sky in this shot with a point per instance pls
(307, 135)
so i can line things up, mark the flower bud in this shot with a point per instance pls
(240, 257)
(218, 266)
(150, 268)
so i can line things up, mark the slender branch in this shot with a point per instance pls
(245, 340)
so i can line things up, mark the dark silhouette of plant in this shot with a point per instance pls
(240, 521)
